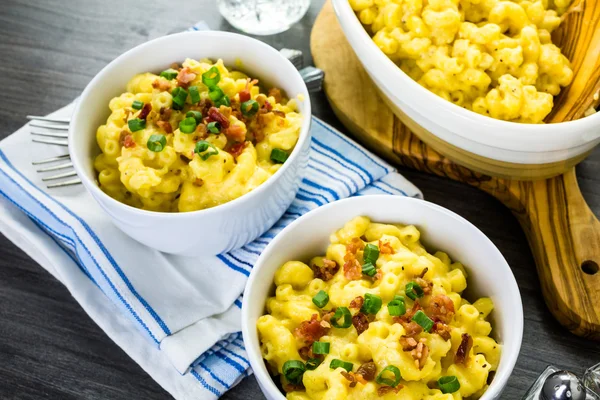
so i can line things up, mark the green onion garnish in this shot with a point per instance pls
(279, 156)
(156, 143)
(321, 299)
(223, 101)
(136, 124)
(449, 384)
(137, 105)
(213, 127)
(320, 348)
(188, 125)
(202, 146)
(339, 313)
(372, 304)
(249, 108)
(211, 77)
(169, 74)
(313, 363)
(397, 307)
(422, 319)
(335, 363)
(179, 96)
(413, 290)
(293, 371)
(387, 381)
(369, 269)
(216, 93)
(371, 253)
(194, 94)
(197, 115)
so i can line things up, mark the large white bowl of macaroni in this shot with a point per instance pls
(198, 160)
(473, 80)
(382, 297)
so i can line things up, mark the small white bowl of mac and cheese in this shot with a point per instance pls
(382, 297)
(193, 143)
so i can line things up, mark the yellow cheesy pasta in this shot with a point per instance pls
(377, 317)
(494, 57)
(196, 136)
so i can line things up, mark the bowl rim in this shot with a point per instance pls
(267, 383)
(497, 129)
(92, 186)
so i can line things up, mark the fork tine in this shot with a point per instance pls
(59, 176)
(49, 160)
(50, 126)
(72, 182)
(49, 134)
(50, 142)
(49, 119)
(56, 167)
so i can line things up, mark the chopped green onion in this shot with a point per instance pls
(279, 156)
(321, 299)
(339, 313)
(223, 101)
(136, 124)
(213, 127)
(449, 384)
(293, 370)
(335, 363)
(197, 115)
(179, 96)
(188, 125)
(372, 304)
(249, 108)
(156, 143)
(194, 94)
(137, 105)
(211, 77)
(320, 348)
(371, 253)
(216, 93)
(202, 146)
(369, 269)
(387, 381)
(413, 290)
(169, 74)
(313, 363)
(397, 307)
(422, 319)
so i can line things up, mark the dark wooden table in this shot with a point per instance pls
(49, 348)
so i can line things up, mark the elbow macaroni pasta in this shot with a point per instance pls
(280, 330)
(494, 57)
(176, 178)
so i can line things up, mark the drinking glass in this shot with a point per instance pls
(263, 17)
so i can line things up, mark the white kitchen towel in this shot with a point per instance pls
(178, 317)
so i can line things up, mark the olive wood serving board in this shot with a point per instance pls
(563, 233)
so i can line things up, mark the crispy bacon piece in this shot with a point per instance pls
(310, 331)
(367, 370)
(383, 390)
(360, 322)
(161, 85)
(235, 133)
(165, 125)
(462, 353)
(306, 352)
(215, 115)
(357, 302)
(327, 271)
(420, 353)
(145, 111)
(244, 95)
(268, 106)
(164, 114)
(275, 93)
(425, 285)
(385, 248)
(237, 149)
(442, 329)
(128, 141)
(408, 343)
(327, 316)
(354, 378)
(378, 275)
(354, 246)
(352, 270)
(185, 77)
(440, 308)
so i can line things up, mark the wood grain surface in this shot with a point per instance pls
(49, 347)
(563, 232)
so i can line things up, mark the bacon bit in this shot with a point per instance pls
(442, 329)
(411, 327)
(268, 106)
(327, 316)
(275, 93)
(165, 113)
(201, 132)
(310, 331)
(462, 353)
(354, 246)
(357, 302)
(408, 343)
(440, 308)
(145, 111)
(325, 324)
(288, 387)
(378, 275)
(385, 248)
(420, 353)
(327, 271)
(128, 141)
(383, 390)
(425, 285)
(166, 126)
(161, 85)
(185, 77)
(352, 270)
(360, 322)
(367, 370)
(279, 113)
(354, 378)
(215, 115)
(235, 133)
(306, 352)
(244, 95)
(237, 149)
(198, 182)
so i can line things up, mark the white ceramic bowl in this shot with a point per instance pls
(214, 230)
(496, 141)
(441, 229)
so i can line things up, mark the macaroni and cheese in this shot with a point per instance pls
(494, 57)
(377, 317)
(193, 137)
